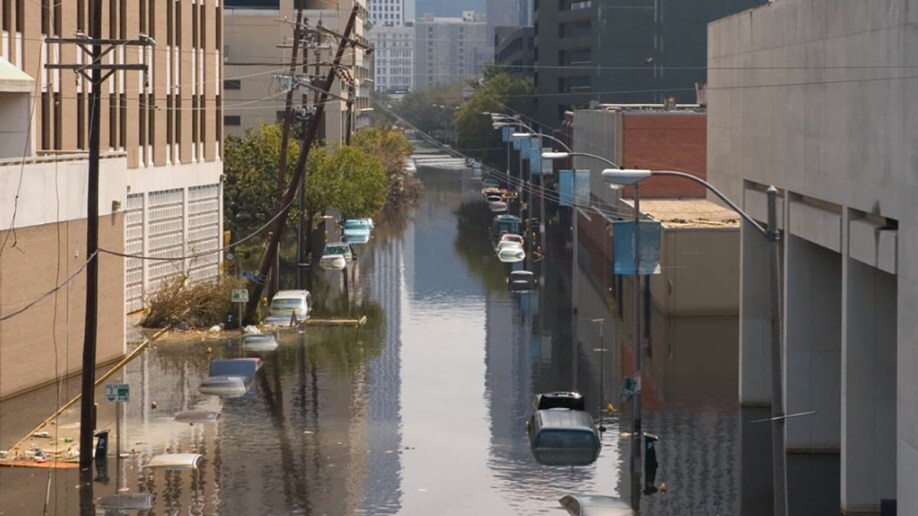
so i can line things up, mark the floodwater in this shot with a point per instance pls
(421, 411)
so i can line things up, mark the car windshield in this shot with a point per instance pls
(335, 249)
(566, 439)
(284, 306)
(355, 224)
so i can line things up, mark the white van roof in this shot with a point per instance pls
(290, 294)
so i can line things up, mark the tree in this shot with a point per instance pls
(346, 178)
(431, 110)
(393, 149)
(250, 165)
(497, 92)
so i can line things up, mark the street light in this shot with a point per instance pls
(779, 466)
(633, 176)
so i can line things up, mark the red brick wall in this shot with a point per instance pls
(671, 141)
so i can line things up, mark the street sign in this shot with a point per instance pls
(117, 392)
(240, 295)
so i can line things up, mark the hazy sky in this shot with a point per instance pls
(448, 7)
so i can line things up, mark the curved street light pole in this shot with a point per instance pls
(773, 235)
(636, 430)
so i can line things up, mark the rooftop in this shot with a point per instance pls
(689, 213)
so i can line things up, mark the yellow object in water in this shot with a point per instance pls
(663, 487)
(610, 408)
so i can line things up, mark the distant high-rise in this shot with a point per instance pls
(507, 13)
(449, 49)
(601, 50)
(392, 37)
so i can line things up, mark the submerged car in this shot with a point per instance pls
(287, 306)
(522, 281)
(560, 431)
(595, 505)
(563, 437)
(357, 231)
(336, 256)
(260, 343)
(497, 206)
(230, 378)
(509, 251)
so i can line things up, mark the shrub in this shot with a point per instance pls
(198, 305)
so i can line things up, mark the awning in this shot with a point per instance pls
(14, 80)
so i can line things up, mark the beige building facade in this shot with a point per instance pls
(160, 173)
(257, 60)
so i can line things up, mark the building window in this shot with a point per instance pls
(232, 84)
(234, 120)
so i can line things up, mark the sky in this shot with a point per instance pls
(448, 7)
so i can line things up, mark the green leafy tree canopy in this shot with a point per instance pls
(496, 93)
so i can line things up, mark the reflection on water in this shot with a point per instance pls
(423, 410)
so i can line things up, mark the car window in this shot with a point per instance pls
(566, 439)
(284, 306)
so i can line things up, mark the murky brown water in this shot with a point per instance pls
(422, 411)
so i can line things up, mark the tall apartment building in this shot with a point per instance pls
(160, 191)
(609, 52)
(392, 38)
(506, 13)
(514, 50)
(257, 39)
(449, 49)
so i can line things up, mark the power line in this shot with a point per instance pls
(30, 304)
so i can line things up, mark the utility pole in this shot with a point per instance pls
(285, 132)
(298, 175)
(93, 47)
(636, 433)
(779, 459)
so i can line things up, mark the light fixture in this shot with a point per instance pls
(624, 176)
(555, 155)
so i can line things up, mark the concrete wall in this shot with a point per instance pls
(46, 341)
(812, 96)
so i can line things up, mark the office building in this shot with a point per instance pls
(392, 39)
(160, 192)
(604, 51)
(514, 50)
(258, 37)
(449, 49)
(507, 13)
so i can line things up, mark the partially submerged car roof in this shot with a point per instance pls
(235, 367)
(557, 399)
(175, 461)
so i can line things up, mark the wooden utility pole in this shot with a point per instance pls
(267, 261)
(285, 131)
(93, 46)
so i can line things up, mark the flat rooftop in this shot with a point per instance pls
(688, 213)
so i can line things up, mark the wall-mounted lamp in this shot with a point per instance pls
(116, 206)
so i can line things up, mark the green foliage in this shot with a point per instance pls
(498, 92)
(382, 105)
(250, 165)
(393, 149)
(348, 179)
(431, 110)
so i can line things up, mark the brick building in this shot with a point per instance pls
(160, 173)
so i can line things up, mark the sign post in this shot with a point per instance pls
(117, 393)
(240, 297)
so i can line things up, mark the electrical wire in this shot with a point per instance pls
(34, 302)
(204, 253)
